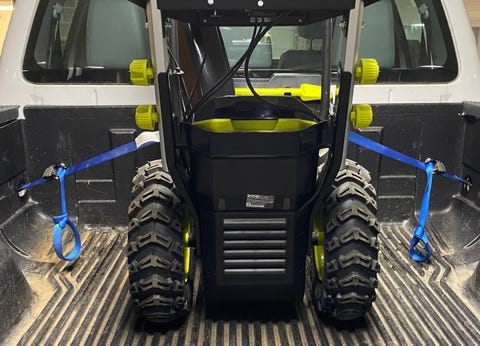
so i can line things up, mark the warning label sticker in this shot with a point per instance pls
(260, 201)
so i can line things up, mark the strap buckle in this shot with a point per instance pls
(439, 166)
(51, 172)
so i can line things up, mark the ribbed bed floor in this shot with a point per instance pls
(87, 302)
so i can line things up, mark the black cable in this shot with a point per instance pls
(261, 99)
(197, 80)
(226, 77)
(170, 52)
(208, 95)
(183, 92)
(218, 85)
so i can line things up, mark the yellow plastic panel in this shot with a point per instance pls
(275, 125)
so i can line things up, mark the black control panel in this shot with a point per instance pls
(243, 5)
(247, 12)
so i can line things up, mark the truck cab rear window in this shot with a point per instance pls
(85, 41)
(93, 41)
(409, 38)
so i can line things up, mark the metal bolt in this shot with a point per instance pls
(468, 183)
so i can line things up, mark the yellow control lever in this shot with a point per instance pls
(306, 92)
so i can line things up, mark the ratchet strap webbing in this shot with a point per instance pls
(62, 221)
(147, 138)
(430, 167)
(60, 171)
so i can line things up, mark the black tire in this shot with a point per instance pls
(346, 289)
(160, 290)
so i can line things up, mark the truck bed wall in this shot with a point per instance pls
(14, 290)
(100, 196)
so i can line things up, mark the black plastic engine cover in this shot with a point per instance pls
(253, 256)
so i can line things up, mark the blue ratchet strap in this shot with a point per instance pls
(62, 221)
(453, 177)
(430, 167)
(419, 235)
(109, 155)
(61, 171)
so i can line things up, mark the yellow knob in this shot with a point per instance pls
(361, 116)
(367, 71)
(140, 72)
(146, 117)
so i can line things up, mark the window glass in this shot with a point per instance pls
(282, 48)
(93, 41)
(409, 38)
(426, 43)
(85, 41)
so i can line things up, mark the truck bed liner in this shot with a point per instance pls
(87, 302)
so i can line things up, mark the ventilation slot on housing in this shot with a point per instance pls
(254, 246)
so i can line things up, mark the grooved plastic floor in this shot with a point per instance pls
(87, 302)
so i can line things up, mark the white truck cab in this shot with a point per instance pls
(427, 47)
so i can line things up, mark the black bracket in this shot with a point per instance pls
(471, 110)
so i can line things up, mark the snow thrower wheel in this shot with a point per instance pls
(344, 259)
(158, 255)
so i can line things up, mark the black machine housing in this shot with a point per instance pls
(251, 194)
